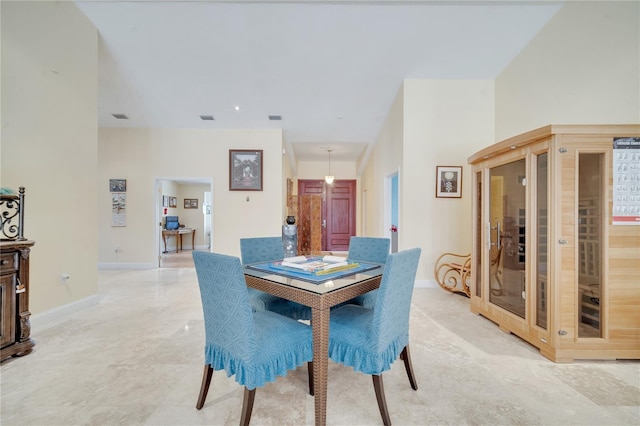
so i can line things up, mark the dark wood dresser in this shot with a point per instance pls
(14, 294)
(15, 329)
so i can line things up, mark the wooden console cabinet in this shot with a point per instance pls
(14, 295)
(550, 262)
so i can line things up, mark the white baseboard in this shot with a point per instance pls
(52, 317)
(106, 266)
(425, 284)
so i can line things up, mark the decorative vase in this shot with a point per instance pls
(291, 220)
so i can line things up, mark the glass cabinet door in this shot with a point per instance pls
(541, 247)
(507, 214)
(590, 221)
(478, 234)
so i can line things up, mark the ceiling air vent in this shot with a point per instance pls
(120, 116)
(207, 117)
(275, 117)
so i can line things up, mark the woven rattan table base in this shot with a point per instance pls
(320, 313)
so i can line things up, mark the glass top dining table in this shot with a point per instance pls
(320, 297)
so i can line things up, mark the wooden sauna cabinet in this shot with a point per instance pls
(548, 262)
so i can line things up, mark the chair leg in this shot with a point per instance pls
(247, 406)
(406, 357)
(204, 388)
(382, 401)
(310, 370)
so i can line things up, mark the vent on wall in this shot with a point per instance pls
(275, 117)
(207, 117)
(120, 116)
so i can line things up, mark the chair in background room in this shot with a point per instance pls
(172, 223)
(368, 249)
(266, 249)
(256, 347)
(370, 339)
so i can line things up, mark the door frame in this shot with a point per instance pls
(388, 202)
(157, 202)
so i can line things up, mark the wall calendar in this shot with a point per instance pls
(626, 181)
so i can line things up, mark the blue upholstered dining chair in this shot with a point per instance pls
(370, 339)
(368, 249)
(254, 346)
(265, 249)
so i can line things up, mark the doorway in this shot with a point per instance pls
(338, 210)
(188, 200)
(391, 217)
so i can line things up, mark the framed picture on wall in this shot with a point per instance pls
(117, 185)
(245, 170)
(190, 203)
(448, 181)
(173, 202)
(165, 201)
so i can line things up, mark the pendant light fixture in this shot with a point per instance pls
(329, 178)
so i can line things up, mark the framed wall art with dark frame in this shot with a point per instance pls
(173, 202)
(245, 170)
(448, 181)
(117, 185)
(190, 203)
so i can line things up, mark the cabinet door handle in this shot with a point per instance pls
(20, 288)
(4, 262)
(498, 242)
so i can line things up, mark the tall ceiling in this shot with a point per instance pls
(329, 69)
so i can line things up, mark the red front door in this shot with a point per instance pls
(338, 211)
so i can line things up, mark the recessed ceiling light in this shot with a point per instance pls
(120, 116)
(275, 117)
(237, 108)
(207, 117)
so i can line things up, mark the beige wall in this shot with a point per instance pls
(444, 122)
(582, 68)
(431, 123)
(385, 160)
(319, 169)
(49, 143)
(143, 155)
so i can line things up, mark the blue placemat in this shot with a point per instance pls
(277, 269)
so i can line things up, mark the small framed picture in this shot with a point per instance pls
(190, 203)
(165, 201)
(245, 170)
(173, 202)
(448, 181)
(117, 185)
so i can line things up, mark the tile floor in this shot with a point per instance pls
(136, 359)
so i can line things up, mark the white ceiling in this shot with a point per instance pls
(330, 69)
